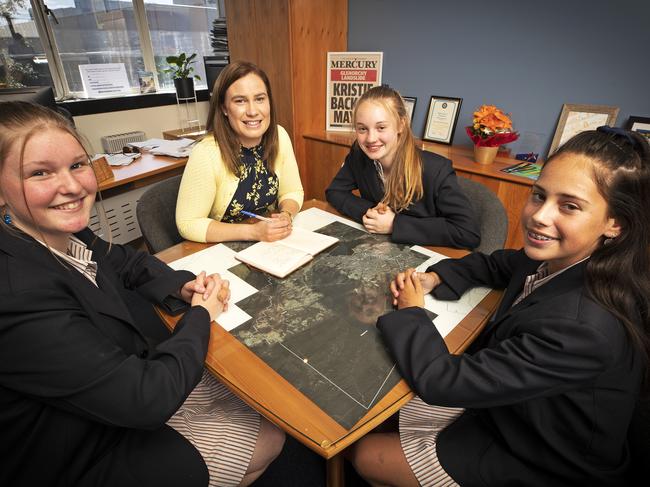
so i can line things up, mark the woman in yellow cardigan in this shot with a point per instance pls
(246, 164)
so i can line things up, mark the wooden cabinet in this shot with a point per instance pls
(326, 151)
(289, 40)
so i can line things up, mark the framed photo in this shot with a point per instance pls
(579, 118)
(147, 83)
(409, 103)
(442, 119)
(640, 125)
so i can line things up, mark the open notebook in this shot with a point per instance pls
(282, 257)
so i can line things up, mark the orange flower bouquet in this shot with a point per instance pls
(491, 127)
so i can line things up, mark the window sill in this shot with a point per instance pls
(126, 102)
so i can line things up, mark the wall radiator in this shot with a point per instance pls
(114, 143)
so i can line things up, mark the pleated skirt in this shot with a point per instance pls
(419, 426)
(221, 427)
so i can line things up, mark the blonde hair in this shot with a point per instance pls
(404, 182)
(223, 133)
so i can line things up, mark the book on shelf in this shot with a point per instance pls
(282, 257)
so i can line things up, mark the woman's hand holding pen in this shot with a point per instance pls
(271, 229)
(379, 219)
(209, 291)
(427, 281)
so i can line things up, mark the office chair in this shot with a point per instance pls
(156, 212)
(492, 217)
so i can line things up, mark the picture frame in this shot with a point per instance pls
(147, 82)
(576, 118)
(640, 125)
(442, 119)
(409, 104)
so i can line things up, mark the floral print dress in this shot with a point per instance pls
(258, 186)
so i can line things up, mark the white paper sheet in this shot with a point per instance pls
(217, 258)
(106, 79)
(315, 218)
(232, 318)
(220, 258)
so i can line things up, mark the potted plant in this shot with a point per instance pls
(181, 69)
(490, 129)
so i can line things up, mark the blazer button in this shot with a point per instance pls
(144, 354)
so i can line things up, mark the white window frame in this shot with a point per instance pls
(53, 56)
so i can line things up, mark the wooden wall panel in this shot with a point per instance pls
(290, 39)
(258, 31)
(324, 162)
(316, 28)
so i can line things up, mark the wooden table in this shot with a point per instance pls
(146, 169)
(276, 399)
(176, 134)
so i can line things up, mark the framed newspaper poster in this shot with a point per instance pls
(349, 75)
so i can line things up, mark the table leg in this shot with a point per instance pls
(335, 476)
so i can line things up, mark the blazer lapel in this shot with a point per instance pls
(570, 279)
(104, 299)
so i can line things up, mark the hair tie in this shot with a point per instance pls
(606, 129)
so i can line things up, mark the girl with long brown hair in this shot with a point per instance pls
(244, 165)
(545, 394)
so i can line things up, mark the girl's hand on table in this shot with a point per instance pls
(379, 219)
(428, 281)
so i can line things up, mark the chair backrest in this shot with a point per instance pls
(492, 216)
(156, 212)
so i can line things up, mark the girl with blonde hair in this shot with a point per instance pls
(410, 194)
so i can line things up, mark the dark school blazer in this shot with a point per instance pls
(549, 386)
(443, 216)
(75, 371)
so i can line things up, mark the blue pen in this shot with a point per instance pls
(253, 215)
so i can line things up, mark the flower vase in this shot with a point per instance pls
(485, 155)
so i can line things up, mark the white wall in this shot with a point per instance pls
(152, 121)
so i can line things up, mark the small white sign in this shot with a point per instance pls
(104, 79)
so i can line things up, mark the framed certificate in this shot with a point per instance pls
(580, 118)
(442, 119)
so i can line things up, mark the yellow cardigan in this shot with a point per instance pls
(207, 187)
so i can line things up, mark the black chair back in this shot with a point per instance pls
(156, 212)
(492, 216)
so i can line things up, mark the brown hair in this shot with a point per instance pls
(223, 133)
(404, 182)
(617, 273)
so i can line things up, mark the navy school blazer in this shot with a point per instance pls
(549, 386)
(76, 372)
(443, 216)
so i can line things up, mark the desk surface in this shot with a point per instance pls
(275, 398)
(144, 170)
